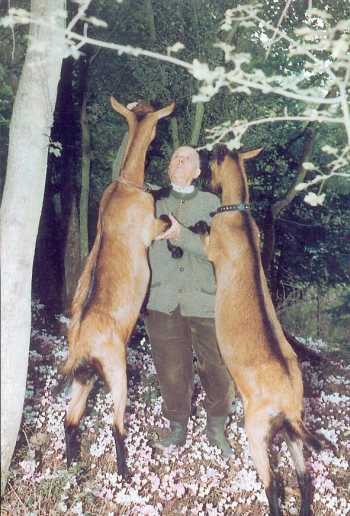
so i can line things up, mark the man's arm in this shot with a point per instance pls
(183, 237)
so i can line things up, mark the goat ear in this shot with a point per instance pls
(165, 111)
(250, 154)
(122, 110)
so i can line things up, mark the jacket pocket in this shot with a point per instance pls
(204, 277)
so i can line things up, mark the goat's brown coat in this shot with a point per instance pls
(250, 337)
(114, 282)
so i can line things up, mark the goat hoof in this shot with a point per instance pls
(72, 444)
(165, 218)
(273, 493)
(124, 472)
(200, 227)
(176, 252)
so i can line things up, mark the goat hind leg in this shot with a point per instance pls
(258, 432)
(79, 394)
(114, 372)
(295, 446)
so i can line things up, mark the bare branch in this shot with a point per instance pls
(284, 12)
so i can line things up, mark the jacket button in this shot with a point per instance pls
(181, 269)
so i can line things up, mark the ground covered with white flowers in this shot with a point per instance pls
(193, 480)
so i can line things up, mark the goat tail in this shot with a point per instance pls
(83, 294)
(75, 352)
(297, 429)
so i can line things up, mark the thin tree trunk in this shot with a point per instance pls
(72, 258)
(85, 181)
(318, 312)
(85, 162)
(276, 209)
(174, 127)
(150, 20)
(66, 131)
(47, 268)
(197, 124)
(309, 134)
(30, 128)
(199, 109)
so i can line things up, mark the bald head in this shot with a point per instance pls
(184, 166)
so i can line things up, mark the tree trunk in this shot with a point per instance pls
(308, 133)
(149, 19)
(276, 209)
(66, 130)
(85, 162)
(85, 183)
(47, 268)
(174, 127)
(72, 258)
(197, 124)
(21, 208)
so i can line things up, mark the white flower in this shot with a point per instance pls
(301, 186)
(329, 150)
(175, 48)
(78, 509)
(308, 165)
(314, 199)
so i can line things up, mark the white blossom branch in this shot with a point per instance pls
(267, 88)
(238, 80)
(238, 128)
(194, 69)
(345, 107)
(80, 14)
(128, 49)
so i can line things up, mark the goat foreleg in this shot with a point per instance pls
(161, 225)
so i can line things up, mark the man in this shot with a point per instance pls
(181, 310)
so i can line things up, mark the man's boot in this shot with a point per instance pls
(176, 436)
(215, 431)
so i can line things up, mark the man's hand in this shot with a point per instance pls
(173, 233)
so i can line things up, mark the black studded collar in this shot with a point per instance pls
(230, 207)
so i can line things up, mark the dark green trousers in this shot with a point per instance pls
(173, 339)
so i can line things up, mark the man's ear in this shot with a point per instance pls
(197, 173)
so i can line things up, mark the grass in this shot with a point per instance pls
(193, 480)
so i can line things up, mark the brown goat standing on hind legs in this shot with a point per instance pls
(113, 284)
(250, 337)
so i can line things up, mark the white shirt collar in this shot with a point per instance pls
(183, 189)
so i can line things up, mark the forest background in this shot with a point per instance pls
(306, 248)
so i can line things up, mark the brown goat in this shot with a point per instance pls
(250, 337)
(113, 284)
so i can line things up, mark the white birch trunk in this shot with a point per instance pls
(30, 129)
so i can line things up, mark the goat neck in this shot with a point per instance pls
(234, 183)
(142, 130)
(139, 141)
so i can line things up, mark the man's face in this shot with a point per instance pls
(184, 166)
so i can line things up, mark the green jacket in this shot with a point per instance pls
(188, 281)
